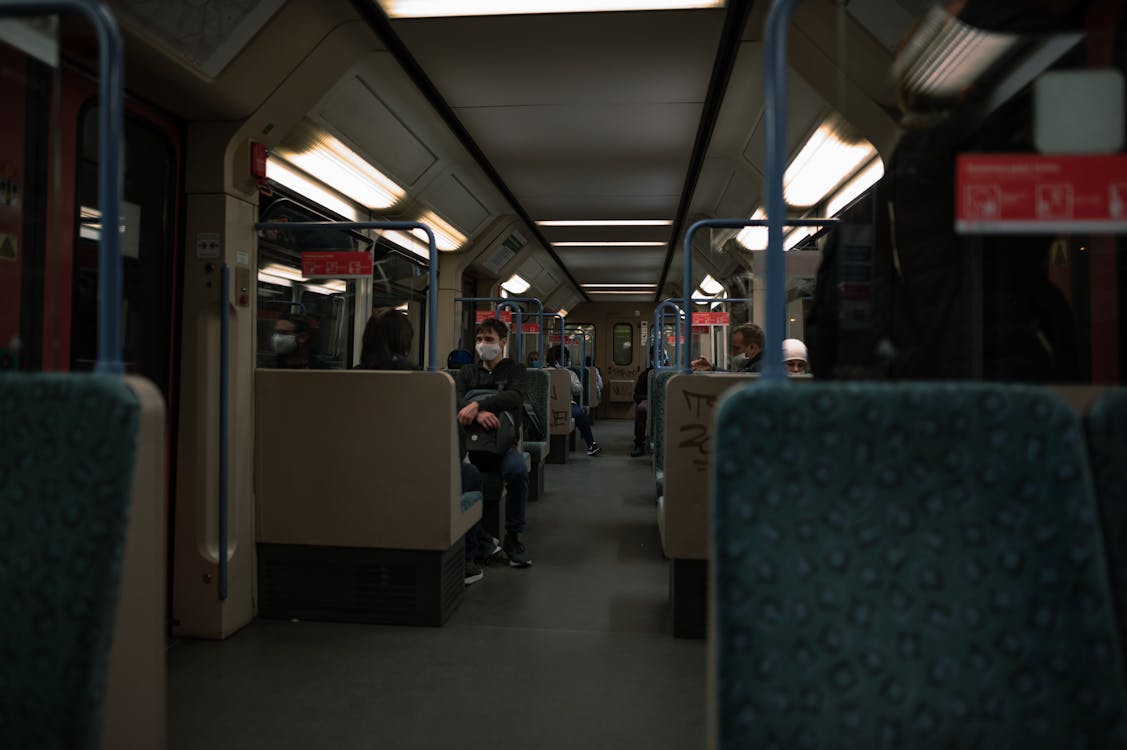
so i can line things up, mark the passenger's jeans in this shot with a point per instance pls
(582, 424)
(641, 409)
(475, 537)
(515, 477)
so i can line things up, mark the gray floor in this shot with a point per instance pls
(575, 652)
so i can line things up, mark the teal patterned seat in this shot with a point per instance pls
(67, 452)
(469, 499)
(657, 414)
(1107, 446)
(909, 566)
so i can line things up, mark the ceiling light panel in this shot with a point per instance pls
(516, 285)
(754, 238)
(609, 223)
(325, 158)
(443, 8)
(620, 286)
(446, 236)
(824, 162)
(291, 178)
(610, 244)
(856, 186)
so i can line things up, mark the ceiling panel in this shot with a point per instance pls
(595, 57)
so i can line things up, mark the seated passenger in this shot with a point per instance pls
(496, 372)
(385, 344)
(457, 358)
(794, 357)
(533, 359)
(642, 405)
(745, 348)
(292, 343)
(554, 360)
(598, 378)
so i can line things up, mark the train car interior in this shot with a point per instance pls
(848, 474)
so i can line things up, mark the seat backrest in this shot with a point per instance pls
(357, 458)
(657, 414)
(560, 401)
(67, 454)
(689, 442)
(1106, 425)
(538, 386)
(594, 396)
(908, 565)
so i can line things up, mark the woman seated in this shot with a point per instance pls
(554, 357)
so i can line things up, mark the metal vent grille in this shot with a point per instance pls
(396, 587)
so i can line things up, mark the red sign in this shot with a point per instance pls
(335, 265)
(710, 319)
(530, 328)
(506, 316)
(1029, 193)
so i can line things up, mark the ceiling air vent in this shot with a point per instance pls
(496, 259)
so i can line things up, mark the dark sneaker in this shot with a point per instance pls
(636, 451)
(593, 449)
(518, 557)
(493, 554)
(474, 573)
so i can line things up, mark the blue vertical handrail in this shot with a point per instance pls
(516, 331)
(540, 314)
(432, 296)
(775, 73)
(773, 324)
(224, 404)
(111, 123)
(659, 332)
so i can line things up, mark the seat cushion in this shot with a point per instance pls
(469, 499)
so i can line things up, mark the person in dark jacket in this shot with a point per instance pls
(495, 371)
(745, 349)
(385, 344)
(387, 341)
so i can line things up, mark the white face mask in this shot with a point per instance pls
(488, 352)
(283, 343)
(740, 361)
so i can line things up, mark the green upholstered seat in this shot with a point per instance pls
(67, 452)
(1107, 447)
(538, 386)
(469, 499)
(912, 566)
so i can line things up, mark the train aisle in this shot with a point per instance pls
(575, 652)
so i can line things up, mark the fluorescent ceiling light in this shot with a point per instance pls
(622, 292)
(609, 223)
(754, 238)
(288, 177)
(269, 278)
(325, 158)
(437, 8)
(823, 163)
(856, 186)
(446, 236)
(561, 312)
(620, 286)
(407, 241)
(610, 244)
(516, 285)
(945, 56)
(711, 286)
(285, 272)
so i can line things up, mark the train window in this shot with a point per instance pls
(147, 242)
(622, 344)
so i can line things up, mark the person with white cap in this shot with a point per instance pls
(794, 357)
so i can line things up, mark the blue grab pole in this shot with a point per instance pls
(775, 51)
(432, 296)
(224, 406)
(111, 122)
(659, 331)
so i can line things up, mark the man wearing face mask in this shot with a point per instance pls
(291, 343)
(493, 371)
(745, 349)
